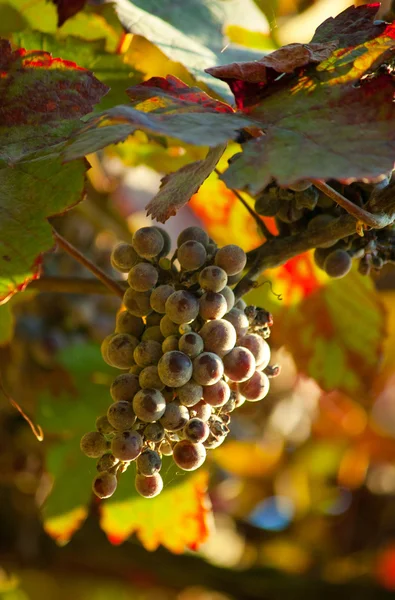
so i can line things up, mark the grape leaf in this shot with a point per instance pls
(42, 100)
(6, 324)
(29, 193)
(67, 9)
(177, 188)
(179, 517)
(353, 26)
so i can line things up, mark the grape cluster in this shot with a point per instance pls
(302, 206)
(191, 352)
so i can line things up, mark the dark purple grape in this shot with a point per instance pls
(120, 350)
(217, 394)
(202, 410)
(191, 255)
(124, 257)
(255, 388)
(124, 387)
(213, 279)
(182, 307)
(127, 445)
(207, 368)
(175, 369)
(148, 242)
(104, 485)
(193, 233)
(121, 415)
(143, 277)
(149, 405)
(232, 259)
(338, 263)
(212, 305)
(239, 364)
(219, 336)
(259, 348)
(93, 444)
(149, 462)
(196, 430)
(147, 353)
(189, 456)
(149, 487)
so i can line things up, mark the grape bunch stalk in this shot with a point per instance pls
(191, 356)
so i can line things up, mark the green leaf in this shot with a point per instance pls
(178, 188)
(29, 193)
(109, 68)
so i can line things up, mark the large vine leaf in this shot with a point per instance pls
(42, 100)
(29, 193)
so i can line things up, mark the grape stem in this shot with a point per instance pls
(78, 256)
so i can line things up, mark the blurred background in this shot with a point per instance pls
(300, 500)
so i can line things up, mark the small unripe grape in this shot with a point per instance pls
(149, 378)
(147, 353)
(149, 462)
(149, 487)
(232, 259)
(190, 394)
(212, 305)
(182, 307)
(216, 394)
(128, 323)
(148, 242)
(207, 368)
(143, 277)
(149, 405)
(124, 257)
(127, 445)
(153, 333)
(120, 350)
(219, 336)
(255, 388)
(175, 368)
(167, 327)
(106, 462)
(153, 319)
(104, 485)
(103, 425)
(124, 387)
(191, 344)
(193, 233)
(239, 321)
(170, 343)
(338, 263)
(154, 432)
(184, 328)
(239, 364)
(202, 410)
(229, 296)
(259, 348)
(189, 456)
(166, 241)
(213, 279)
(196, 430)
(175, 416)
(93, 444)
(166, 448)
(138, 303)
(121, 415)
(159, 296)
(191, 255)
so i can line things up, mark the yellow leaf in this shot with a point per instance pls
(249, 459)
(62, 528)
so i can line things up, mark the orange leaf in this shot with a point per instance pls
(62, 528)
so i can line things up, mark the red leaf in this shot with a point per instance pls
(67, 9)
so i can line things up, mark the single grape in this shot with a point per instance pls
(104, 485)
(106, 462)
(166, 241)
(128, 323)
(191, 255)
(93, 444)
(166, 448)
(213, 279)
(239, 364)
(121, 415)
(147, 353)
(193, 233)
(149, 487)
(212, 305)
(127, 445)
(196, 430)
(216, 394)
(229, 297)
(120, 350)
(159, 296)
(149, 378)
(191, 344)
(175, 416)
(153, 333)
(153, 319)
(338, 263)
(143, 277)
(189, 456)
(190, 394)
(170, 343)
(149, 405)
(207, 368)
(148, 242)
(138, 303)
(232, 259)
(219, 336)
(182, 307)
(202, 410)
(124, 387)
(167, 327)
(124, 257)
(154, 432)
(259, 348)
(149, 462)
(255, 388)
(239, 321)
(103, 425)
(175, 368)
(300, 186)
